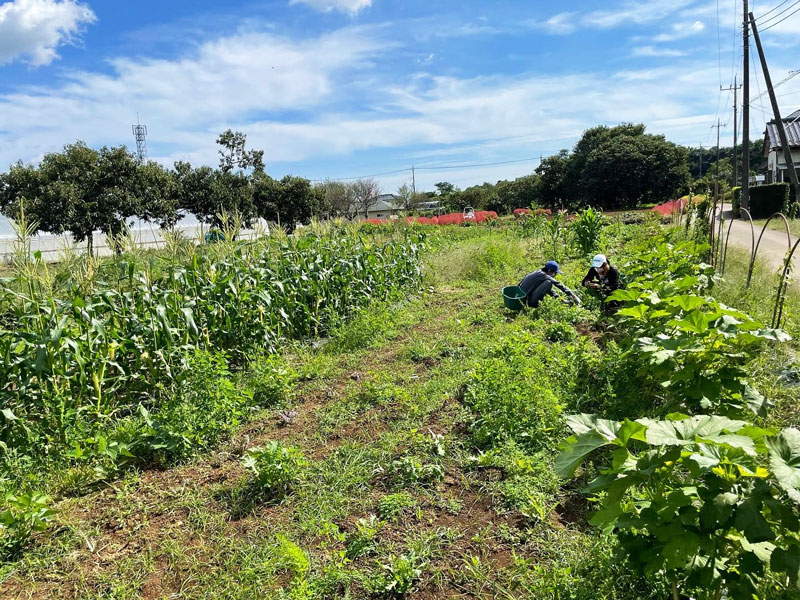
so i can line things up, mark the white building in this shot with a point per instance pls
(773, 150)
(384, 207)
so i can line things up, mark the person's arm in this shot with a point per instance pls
(612, 280)
(589, 277)
(565, 289)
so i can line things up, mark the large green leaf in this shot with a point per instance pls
(787, 561)
(574, 450)
(784, 460)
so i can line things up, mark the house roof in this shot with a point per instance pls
(772, 139)
(384, 202)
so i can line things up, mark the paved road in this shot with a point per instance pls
(773, 246)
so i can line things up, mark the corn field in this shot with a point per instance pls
(95, 342)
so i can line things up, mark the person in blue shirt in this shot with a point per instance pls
(540, 283)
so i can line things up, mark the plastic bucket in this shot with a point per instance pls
(513, 297)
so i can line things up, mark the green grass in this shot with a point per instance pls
(407, 488)
(778, 225)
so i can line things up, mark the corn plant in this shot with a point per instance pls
(587, 230)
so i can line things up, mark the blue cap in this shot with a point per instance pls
(552, 265)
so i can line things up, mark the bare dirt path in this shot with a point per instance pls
(773, 246)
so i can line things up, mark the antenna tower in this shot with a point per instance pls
(140, 133)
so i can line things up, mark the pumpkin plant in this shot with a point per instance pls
(708, 502)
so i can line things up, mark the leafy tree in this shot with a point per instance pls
(233, 153)
(289, 201)
(444, 188)
(552, 172)
(158, 191)
(339, 197)
(92, 190)
(23, 185)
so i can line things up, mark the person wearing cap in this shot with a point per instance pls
(540, 283)
(602, 276)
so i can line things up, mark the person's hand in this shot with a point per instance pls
(592, 284)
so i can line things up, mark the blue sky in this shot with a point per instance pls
(342, 88)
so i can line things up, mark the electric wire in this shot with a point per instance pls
(783, 19)
(763, 25)
(774, 8)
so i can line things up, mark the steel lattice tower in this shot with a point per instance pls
(140, 133)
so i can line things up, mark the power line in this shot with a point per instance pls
(361, 176)
(491, 164)
(774, 8)
(778, 15)
(432, 168)
(784, 18)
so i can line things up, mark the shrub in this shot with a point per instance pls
(276, 468)
(271, 380)
(765, 200)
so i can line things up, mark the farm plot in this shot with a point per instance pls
(425, 451)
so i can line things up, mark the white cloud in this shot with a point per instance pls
(34, 29)
(679, 31)
(349, 6)
(627, 13)
(559, 24)
(652, 51)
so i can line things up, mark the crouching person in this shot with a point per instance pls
(540, 283)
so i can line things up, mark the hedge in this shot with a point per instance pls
(765, 200)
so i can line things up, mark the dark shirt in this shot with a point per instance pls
(608, 284)
(538, 284)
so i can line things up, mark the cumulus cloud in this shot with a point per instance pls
(34, 29)
(348, 6)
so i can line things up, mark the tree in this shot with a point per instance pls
(93, 191)
(405, 197)
(338, 197)
(158, 192)
(23, 185)
(552, 172)
(233, 153)
(623, 170)
(289, 201)
(365, 193)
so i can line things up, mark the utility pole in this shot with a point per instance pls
(735, 125)
(787, 151)
(716, 188)
(746, 109)
(700, 163)
(413, 181)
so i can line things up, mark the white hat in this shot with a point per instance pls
(599, 260)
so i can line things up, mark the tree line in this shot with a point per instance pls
(610, 168)
(81, 190)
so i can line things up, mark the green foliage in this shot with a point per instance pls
(412, 471)
(513, 395)
(21, 515)
(77, 362)
(691, 497)
(392, 506)
(587, 230)
(205, 407)
(275, 468)
(363, 540)
(271, 380)
(765, 200)
(398, 575)
(690, 339)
